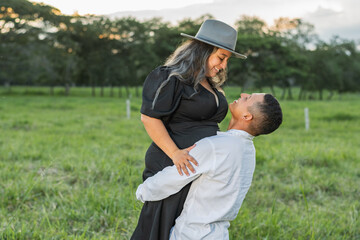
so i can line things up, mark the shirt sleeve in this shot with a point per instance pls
(168, 98)
(168, 181)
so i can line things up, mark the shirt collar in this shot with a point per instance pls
(236, 132)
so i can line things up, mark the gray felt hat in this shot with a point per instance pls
(218, 34)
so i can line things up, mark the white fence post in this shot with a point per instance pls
(128, 108)
(307, 119)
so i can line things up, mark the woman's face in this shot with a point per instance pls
(216, 62)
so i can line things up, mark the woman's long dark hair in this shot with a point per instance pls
(188, 63)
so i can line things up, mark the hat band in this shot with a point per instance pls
(228, 46)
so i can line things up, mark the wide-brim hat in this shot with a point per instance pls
(218, 34)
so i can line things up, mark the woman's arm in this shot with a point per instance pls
(158, 133)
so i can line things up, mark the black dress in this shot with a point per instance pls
(189, 116)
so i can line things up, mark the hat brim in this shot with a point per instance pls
(238, 55)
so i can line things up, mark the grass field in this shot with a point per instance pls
(69, 168)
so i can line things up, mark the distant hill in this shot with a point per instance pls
(327, 22)
(176, 14)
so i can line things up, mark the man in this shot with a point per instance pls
(225, 171)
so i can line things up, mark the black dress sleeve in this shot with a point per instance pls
(168, 98)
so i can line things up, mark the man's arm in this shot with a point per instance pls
(168, 181)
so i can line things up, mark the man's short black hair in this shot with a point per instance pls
(270, 115)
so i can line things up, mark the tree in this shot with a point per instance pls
(26, 29)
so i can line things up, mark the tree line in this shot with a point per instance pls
(40, 46)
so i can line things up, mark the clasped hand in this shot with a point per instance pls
(181, 159)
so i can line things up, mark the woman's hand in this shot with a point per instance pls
(159, 134)
(181, 159)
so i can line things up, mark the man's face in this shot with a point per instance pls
(240, 107)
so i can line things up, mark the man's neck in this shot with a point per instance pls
(239, 125)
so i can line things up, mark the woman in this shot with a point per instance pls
(183, 103)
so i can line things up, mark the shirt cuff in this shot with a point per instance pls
(138, 193)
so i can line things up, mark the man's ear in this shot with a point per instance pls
(247, 116)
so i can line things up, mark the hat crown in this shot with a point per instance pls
(219, 33)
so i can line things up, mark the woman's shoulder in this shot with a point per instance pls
(159, 79)
(159, 73)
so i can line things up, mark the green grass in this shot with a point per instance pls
(69, 168)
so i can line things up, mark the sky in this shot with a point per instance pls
(330, 17)
(111, 6)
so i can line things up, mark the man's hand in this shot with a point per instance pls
(181, 159)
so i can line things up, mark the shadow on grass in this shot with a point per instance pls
(340, 117)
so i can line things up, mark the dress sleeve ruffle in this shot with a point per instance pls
(168, 98)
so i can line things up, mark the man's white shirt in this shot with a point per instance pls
(222, 179)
